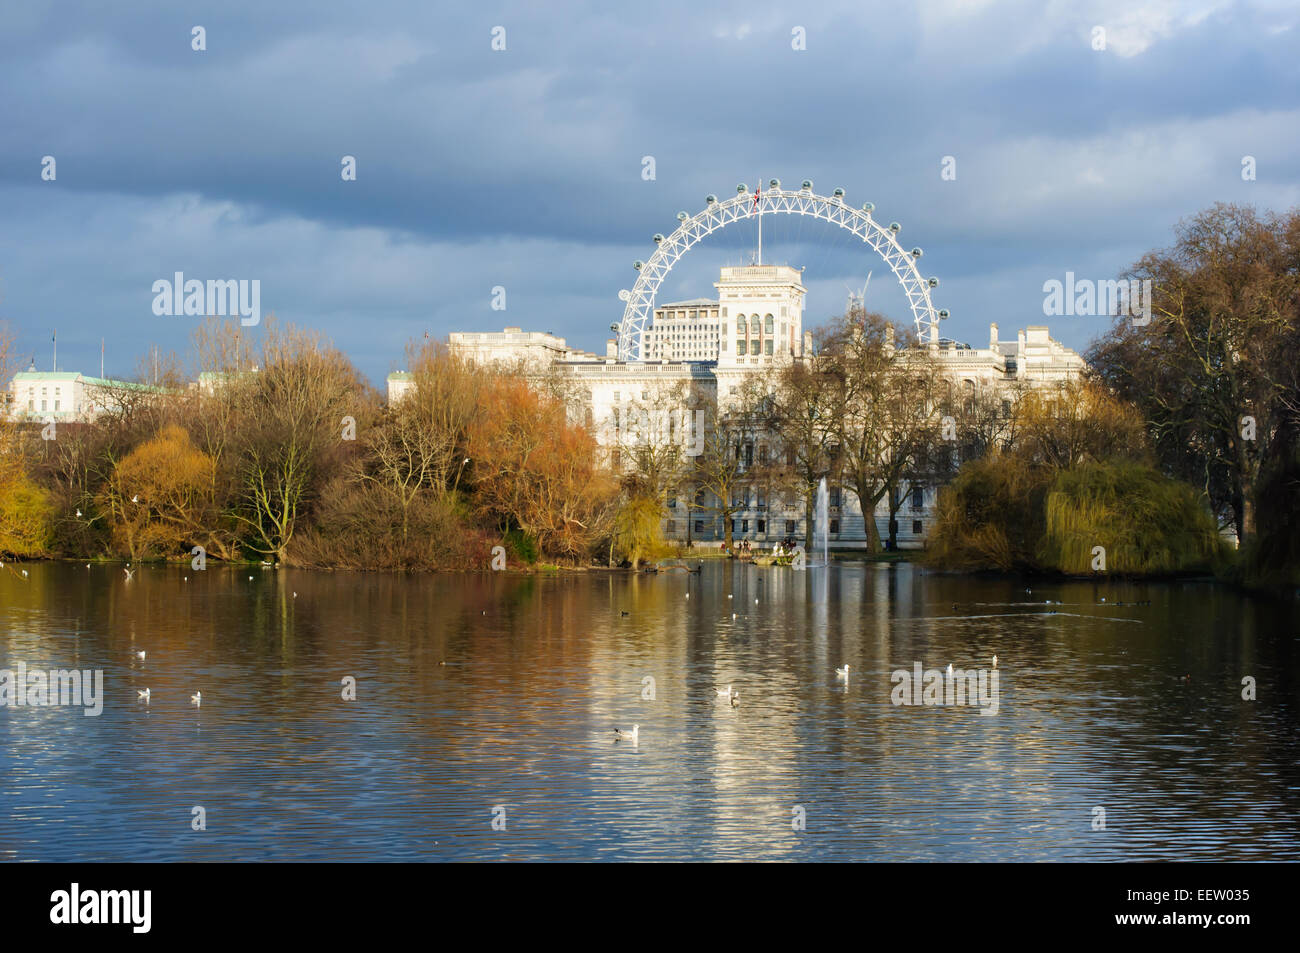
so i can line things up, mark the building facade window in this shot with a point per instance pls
(916, 528)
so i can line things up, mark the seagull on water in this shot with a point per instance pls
(727, 692)
(24, 573)
(843, 672)
(130, 573)
(196, 699)
(143, 694)
(995, 661)
(136, 498)
(631, 736)
(950, 669)
(78, 513)
(140, 655)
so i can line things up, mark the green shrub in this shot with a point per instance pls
(522, 546)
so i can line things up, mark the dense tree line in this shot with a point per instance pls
(1185, 424)
(282, 453)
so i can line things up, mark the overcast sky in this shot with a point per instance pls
(523, 168)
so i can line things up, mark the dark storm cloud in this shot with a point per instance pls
(522, 168)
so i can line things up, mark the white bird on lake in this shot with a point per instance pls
(995, 661)
(140, 655)
(620, 734)
(78, 513)
(143, 694)
(843, 672)
(755, 602)
(135, 499)
(733, 615)
(950, 669)
(24, 573)
(726, 693)
(196, 699)
(250, 578)
(129, 574)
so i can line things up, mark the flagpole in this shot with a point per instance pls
(760, 221)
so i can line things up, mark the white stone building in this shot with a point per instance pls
(63, 396)
(704, 349)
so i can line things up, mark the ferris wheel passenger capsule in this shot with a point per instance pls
(933, 282)
(658, 238)
(637, 264)
(917, 253)
(868, 207)
(943, 312)
(894, 227)
(773, 183)
(682, 216)
(807, 185)
(839, 193)
(710, 199)
(741, 189)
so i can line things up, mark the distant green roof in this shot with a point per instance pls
(71, 376)
(401, 376)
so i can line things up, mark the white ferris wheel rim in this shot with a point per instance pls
(883, 240)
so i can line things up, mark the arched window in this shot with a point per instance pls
(769, 324)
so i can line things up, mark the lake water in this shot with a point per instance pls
(1095, 711)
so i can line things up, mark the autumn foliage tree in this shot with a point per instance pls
(535, 471)
(158, 497)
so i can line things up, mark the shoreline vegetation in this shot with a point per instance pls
(274, 450)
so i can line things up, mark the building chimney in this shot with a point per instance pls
(1020, 353)
(993, 337)
(611, 347)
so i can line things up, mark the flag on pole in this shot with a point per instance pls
(758, 193)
